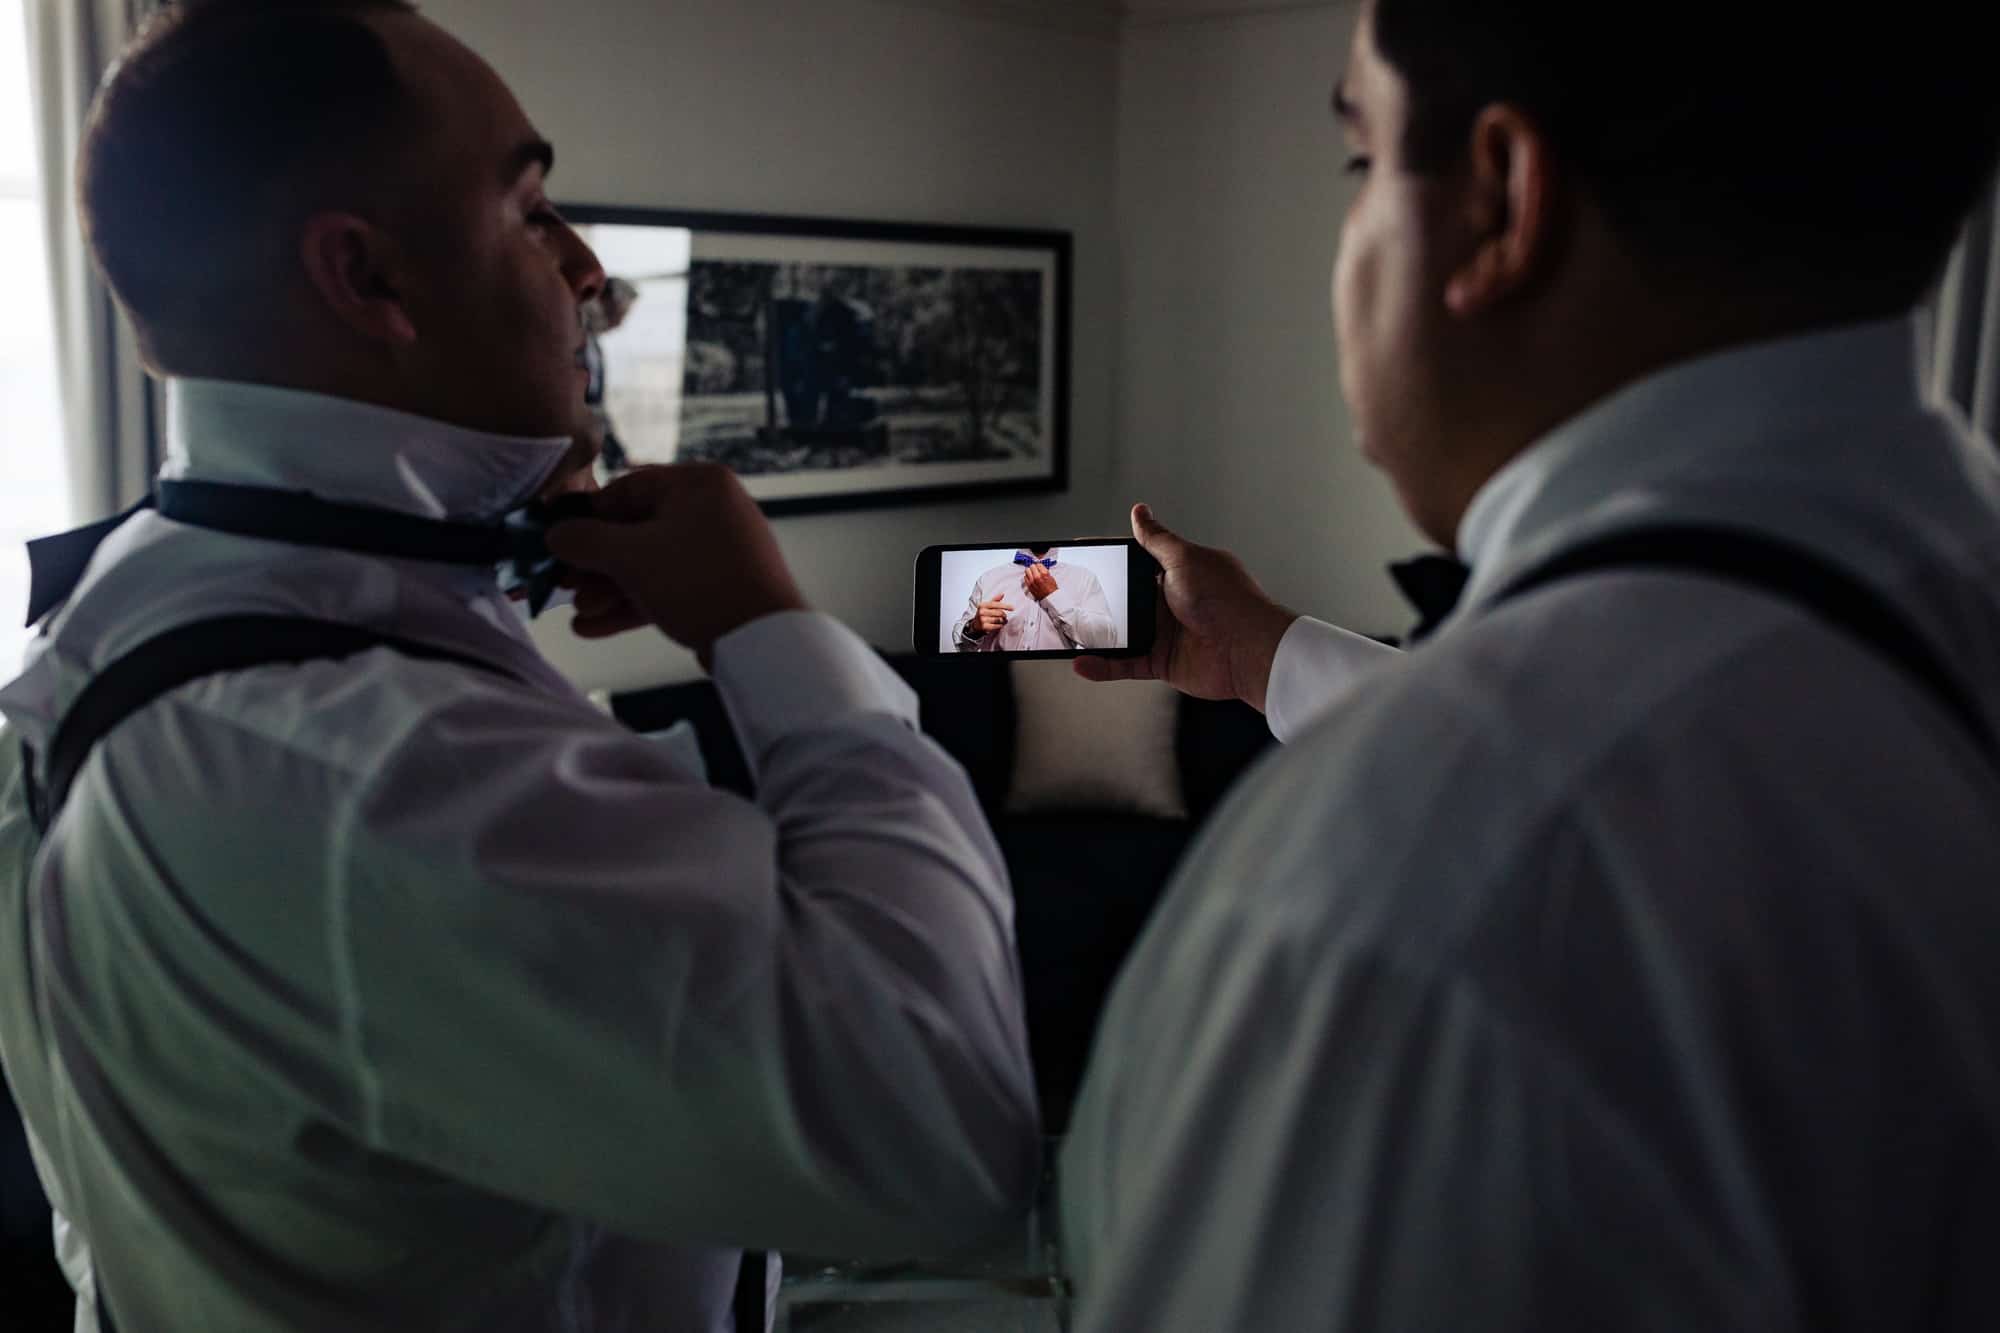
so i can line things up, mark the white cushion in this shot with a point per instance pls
(1089, 745)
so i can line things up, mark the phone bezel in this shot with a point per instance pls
(1141, 596)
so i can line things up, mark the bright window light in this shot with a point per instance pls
(34, 496)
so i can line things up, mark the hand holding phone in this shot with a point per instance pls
(1219, 631)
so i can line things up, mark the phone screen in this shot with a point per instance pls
(1035, 599)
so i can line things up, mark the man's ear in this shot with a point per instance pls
(352, 265)
(1510, 182)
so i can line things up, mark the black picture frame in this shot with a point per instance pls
(869, 445)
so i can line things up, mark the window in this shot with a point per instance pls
(34, 496)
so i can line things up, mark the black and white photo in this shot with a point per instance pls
(830, 363)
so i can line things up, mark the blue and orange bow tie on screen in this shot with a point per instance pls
(1023, 558)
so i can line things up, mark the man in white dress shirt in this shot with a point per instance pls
(1628, 955)
(389, 993)
(1038, 602)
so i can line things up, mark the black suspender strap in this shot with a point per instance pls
(1829, 592)
(180, 656)
(751, 1307)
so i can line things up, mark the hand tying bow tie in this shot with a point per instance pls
(1433, 584)
(517, 541)
(1023, 558)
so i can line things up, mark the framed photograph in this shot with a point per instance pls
(831, 364)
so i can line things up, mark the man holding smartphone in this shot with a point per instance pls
(1035, 603)
(1628, 955)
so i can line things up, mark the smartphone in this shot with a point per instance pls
(1089, 595)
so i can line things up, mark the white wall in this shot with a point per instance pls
(841, 108)
(1195, 161)
(1229, 204)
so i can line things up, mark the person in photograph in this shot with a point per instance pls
(1038, 602)
(405, 989)
(841, 338)
(1626, 956)
(601, 316)
(828, 354)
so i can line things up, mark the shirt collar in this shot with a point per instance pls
(357, 453)
(1766, 406)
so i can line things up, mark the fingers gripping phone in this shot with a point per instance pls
(1093, 595)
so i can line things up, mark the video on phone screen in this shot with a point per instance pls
(1017, 600)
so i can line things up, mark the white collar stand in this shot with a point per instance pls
(356, 453)
(1752, 407)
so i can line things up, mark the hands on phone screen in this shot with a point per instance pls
(992, 615)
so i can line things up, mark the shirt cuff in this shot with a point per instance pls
(1315, 661)
(792, 670)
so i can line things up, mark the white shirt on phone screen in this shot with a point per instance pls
(1075, 615)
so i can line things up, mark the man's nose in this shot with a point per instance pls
(580, 266)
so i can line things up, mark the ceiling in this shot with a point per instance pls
(1207, 8)
(1107, 16)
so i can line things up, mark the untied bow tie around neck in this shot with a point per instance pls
(518, 540)
(1433, 584)
(1023, 558)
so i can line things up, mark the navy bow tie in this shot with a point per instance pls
(1023, 558)
(518, 540)
(1433, 584)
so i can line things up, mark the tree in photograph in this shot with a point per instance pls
(993, 347)
(725, 325)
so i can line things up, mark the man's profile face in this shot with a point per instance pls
(1388, 279)
(496, 277)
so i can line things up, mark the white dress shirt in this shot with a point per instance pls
(1075, 615)
(405, 996)
(1627, 956)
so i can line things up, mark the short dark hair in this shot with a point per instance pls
(1766, 137)
(214, 127)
